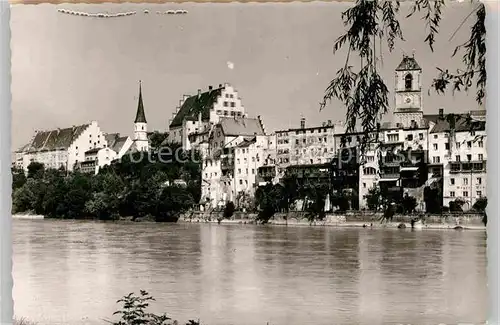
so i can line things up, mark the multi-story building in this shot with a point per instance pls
(235, 150)
(62, 148)
(414, 149)
(97, 158)
(199, 113)
(458, 152)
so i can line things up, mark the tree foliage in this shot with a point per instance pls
(363, 91)
(134, 186)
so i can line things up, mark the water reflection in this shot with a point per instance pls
(73, 272)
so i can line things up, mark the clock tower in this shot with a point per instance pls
(408, 93)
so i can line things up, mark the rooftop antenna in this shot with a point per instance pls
(413, 53)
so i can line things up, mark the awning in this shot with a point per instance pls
(389, 180)
(406, 169)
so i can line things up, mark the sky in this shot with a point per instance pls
(69, 70)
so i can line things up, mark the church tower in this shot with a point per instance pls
(141, 125)
(408, 93)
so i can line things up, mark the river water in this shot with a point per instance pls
(72, 273)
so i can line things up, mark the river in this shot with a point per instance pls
(72, 273)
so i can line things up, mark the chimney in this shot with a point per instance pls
(199, 117)
(220, 85)
(329, 123)
(199, 92)
(323, 124)
(302, 122)
(441, 112)
(209, 87)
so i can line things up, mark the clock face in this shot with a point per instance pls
(408, 100)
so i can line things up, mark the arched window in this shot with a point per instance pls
(408, 81)
(369, 171)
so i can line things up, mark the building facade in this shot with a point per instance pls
(62, 148)
(198, 114)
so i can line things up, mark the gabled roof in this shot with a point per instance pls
(408, 63)
(196, 104)
(115, 141)
(237, 126)
(140, 116)
(462, 124)
(55, 139)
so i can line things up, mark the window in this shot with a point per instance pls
(452, 194)
(253, 171)
(231, 96)
(247, 171)
(232, 104)
(435, 136)
(225, 104)
(245, 160)
(469, 144)
(480, 157)
(239, 170)
(479, 181)
(238, 160)
(436, 159)
(469, 157)
(392, 137)
(421, 136)
(452, 181)
(225, 113)
(457, 157)
(466, 194)
(304, 141)
(479, 194)
(410, 137)
(241, 182)
(297, 141)
(457, 145)
(253, 159)
(364, 185)
(466, 181)
(435, 146)
(480, 144)
(408, 81)
(447, 146)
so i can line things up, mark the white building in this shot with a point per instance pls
(236, 148)
(62, 148)
(97, 158)
(197, 114)
(141, 141)
(460, 153)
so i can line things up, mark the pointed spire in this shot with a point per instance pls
(140, 116)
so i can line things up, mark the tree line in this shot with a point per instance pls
(134, 186)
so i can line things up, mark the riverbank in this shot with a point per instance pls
(363, 220)
(28, 216)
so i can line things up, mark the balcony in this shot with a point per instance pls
(467, 167)
(389, 177)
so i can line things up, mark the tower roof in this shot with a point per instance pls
(408, 63)
(140, 117)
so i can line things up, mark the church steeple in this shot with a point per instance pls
(140, 117)
(140, 125)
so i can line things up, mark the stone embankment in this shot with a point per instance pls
(351, 219)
